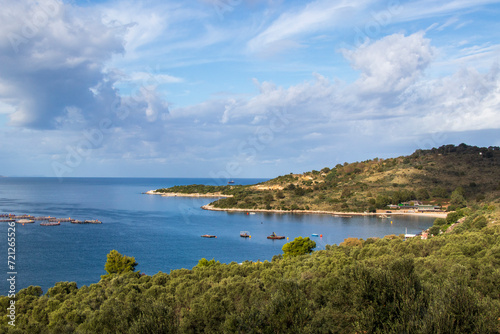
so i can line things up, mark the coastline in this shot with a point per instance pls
(314, 212)
(321, 212)
(211, 195)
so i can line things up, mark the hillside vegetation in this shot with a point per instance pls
(447, 284)
(450, 174)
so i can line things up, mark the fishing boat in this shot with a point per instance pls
(274, 236)
(50, 224)
(208, 236)
(244, 234)
(230, 182)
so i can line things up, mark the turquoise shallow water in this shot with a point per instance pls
(161, 233)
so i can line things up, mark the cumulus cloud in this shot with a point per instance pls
(391, 64)
(52, 54)
(392, 101)
(53, 74)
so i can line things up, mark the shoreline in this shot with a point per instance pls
(211, 195)
(313, 212)
(322, 212)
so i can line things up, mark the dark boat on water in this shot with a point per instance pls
(245, 234)
(274, 236)
(208, 236)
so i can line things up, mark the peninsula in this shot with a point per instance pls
(427, 182)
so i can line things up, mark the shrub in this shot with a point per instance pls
(440, 222)
(434, 230)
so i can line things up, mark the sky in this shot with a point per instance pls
(241, 88)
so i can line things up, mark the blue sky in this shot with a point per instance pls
(241, 88)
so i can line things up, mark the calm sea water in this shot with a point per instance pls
(162, 233)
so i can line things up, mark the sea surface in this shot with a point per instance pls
(162, 233)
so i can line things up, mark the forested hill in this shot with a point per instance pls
(450, 174)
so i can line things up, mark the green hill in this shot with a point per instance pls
(450, 174)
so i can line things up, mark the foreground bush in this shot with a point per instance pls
(447, 284)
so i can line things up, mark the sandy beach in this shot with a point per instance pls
(419, 214)
(319, 212)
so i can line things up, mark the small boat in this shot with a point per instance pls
(230, 182)
(50, 224)
(315, 235)
(274, 236)
(208, 236)
(245, 234)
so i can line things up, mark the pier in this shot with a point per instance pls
(45, 220)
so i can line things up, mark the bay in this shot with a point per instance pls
(162, 233)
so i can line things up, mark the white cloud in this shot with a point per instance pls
(392, 64)
(423, 9)
(64, 78)
(152, 79)
(6, 108)
(314, 17)
(55, 55)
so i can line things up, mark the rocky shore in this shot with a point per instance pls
(212, 195)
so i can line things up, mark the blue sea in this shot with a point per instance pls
(162, 233)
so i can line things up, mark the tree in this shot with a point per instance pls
(351, 242)
(119, 264)
(299, 246)
(439, 192)
(440, 221)
(458, 198)
(206, 263)
(422, 194)
(434, 230)
(453, 217)
(382, 201)
(299, 191)
(479, 222)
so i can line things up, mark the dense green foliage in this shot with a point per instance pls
(447, 284)
(118, 264)
(454, 176)
(299, 246)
